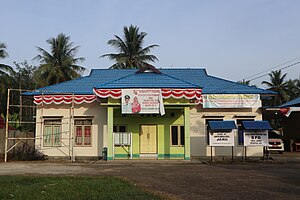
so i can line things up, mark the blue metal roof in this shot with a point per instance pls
(147, 80)
(221, 125)
(169, 78)
(256, 125)
(293, 103)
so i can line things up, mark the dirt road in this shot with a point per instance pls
(186, 180)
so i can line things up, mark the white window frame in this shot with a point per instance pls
(52, 123)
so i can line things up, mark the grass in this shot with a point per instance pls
(30, 187)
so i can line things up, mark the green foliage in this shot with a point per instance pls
(244, 82)
(293, 88)
(131, 53)
(14, 120)
(277, 84)
(59, 64)
(24, 76)
(70, 187)
(4, 69)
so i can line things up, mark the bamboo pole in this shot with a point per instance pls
(72, 128)
(6, 125)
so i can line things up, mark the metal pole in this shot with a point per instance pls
(211, 157)
(21, 109)
(6, 125)
(245, 153)
(232, 154)
(131, 145)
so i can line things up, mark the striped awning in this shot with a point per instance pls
(115, 94)
(166, 93)
(66, 99)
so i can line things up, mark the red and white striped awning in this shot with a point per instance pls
(67, 99)
(115, 94)
(166, 93)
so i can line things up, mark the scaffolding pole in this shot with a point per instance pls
(6, 126)
(71, 138)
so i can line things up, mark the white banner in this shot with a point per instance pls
(142, 101)
(256, 138)
(221, 139)
(231, 101)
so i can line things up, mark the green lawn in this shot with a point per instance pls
(30, 187)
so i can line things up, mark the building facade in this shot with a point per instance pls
(146, 113)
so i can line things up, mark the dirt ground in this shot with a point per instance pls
(184, 179)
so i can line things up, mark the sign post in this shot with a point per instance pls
(254, 139)
(221, 139)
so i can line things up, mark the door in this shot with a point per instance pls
(148, 139)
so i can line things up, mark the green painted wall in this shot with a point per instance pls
(163, 123)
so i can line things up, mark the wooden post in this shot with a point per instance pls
(72, 129)
(6, 126)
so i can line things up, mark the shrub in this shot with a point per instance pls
(26, 153)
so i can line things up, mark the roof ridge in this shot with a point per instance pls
(115, 80)
(181, 80)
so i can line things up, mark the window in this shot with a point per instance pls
(52, 132)
(177, 135)
(83, 130)
(119, 128)
(240, 130)
(207, 128)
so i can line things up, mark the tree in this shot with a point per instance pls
(277, 84)
(5, 77)
(131, 53)
(244, 82)
(293, 88)
(4, 69)
(60, 64)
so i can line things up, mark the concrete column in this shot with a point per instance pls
(187, 142)
(110, 123)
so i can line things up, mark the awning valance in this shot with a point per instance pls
(115, 94)
(67, 99)
(256, 125)
(221, 125)
(166, 93)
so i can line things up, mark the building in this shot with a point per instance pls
(151, 113)
(290, 123)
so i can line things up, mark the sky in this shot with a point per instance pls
(231, 39)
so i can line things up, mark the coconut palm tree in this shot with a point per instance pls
(131, 53)
(244, 82)
(4, 69)
(60, 63)
(293, 88)
(277, 84)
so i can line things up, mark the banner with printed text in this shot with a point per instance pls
(231, 101)
(142, 101)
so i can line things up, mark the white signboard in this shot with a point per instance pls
(256, 138)
(142, 101)
(221, 139)
(231, 101)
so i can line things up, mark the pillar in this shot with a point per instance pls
(187, 142)
(110, 124)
